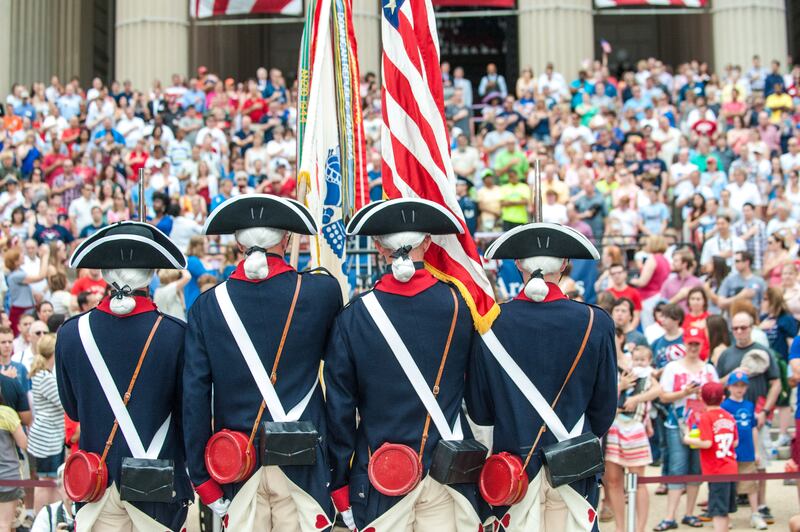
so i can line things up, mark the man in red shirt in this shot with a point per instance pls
(93, 282)
(619, 288)
(53, 163)
(717, 443)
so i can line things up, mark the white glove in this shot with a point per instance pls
(347, 517)
(220, 507)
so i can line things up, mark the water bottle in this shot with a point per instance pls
(694, 433)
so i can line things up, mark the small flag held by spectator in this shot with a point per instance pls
(606, 46)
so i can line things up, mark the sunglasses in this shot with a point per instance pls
(741, 328)
(38, 333)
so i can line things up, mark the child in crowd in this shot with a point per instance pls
(717, 440)
(744, 412)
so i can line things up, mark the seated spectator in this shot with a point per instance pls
(57, 516)
(723, 244)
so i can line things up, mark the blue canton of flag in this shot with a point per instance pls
(391, 10)
(333, 228)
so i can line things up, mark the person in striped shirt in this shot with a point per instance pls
(46, 441)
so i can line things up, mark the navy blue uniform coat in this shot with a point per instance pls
(543, 339)
(156, 394)
(213, 358)
(362, 373)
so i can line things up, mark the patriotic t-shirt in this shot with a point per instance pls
(674, 379)
(719, 427)
(666, 351)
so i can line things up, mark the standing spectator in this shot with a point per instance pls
(11, 438)
(791, 288)
(8, 367)
(627, 446)
(497, 139)
(773, 78)
(622, 314)
(744, 412)
(68, 184)
(776, 258)
(682, 279)
(717, 441)
(743, 191)
(654, 272)
(516, 197)
(466, 158)
(723, 244)
(681, 382)
(46, 439)
(468, 207)
(169, 297)
(619, 288)
(670, 347)
(741, 284)
(20, 295)
(753, 232)
(460, 82)
(80, 209)
(591, 208)
(765, 386)
(492, 82)
(489, 199)
(89, 280)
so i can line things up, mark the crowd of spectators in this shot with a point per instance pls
(687, 179)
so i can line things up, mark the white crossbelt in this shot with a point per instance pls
(114, 399)
(529, 389)
(250, 355)
(411, 370)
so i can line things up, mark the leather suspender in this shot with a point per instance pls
(274, 373)
(441, 371)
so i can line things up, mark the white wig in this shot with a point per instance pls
(536, 289)
(256, 241)
(400, 244)
(125, 281)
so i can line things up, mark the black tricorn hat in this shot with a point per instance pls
(404, 214)
(128, 245)
(260, 210)
(542, 239)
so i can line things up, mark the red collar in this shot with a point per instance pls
(554, 294)
(419, 282)
(275, 264)
(143, 304)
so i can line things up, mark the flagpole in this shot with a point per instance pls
(294, 255)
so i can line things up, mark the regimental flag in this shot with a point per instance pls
(216, 8)
(326, 131)
(415, 145)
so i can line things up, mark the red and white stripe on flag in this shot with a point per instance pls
(216, 8)
(415, 145)
(649, 3)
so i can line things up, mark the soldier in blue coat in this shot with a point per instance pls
(253, 353)
(120, 369)
(407, 340)
(564, 349)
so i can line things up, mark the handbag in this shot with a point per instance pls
(230, 456)
(504, 480)
(147, 480)
(395, 469)
(86, 473)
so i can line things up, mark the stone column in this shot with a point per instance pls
(152, 41)
(561, 31)
(367, 25)
(5, 44)
(743, 28)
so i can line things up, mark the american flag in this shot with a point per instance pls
(415, 144)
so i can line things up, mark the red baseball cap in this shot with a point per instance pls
(694, 335)
(712, 393)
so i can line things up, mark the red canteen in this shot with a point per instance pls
(503, 480)
(394, 469)
(85, 477)
(230, 457)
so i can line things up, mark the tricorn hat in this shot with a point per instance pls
(542, 239)
(260, 210)
(404, 214)
(128, 245)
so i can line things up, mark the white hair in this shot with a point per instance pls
(255, 265)
(402, 267)
(126, 279)
(536, 289)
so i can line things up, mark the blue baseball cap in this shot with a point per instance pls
(738, 376)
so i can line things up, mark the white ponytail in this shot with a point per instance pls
(402, 266)
(536, 288)
(255, 265)
(124, 281)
